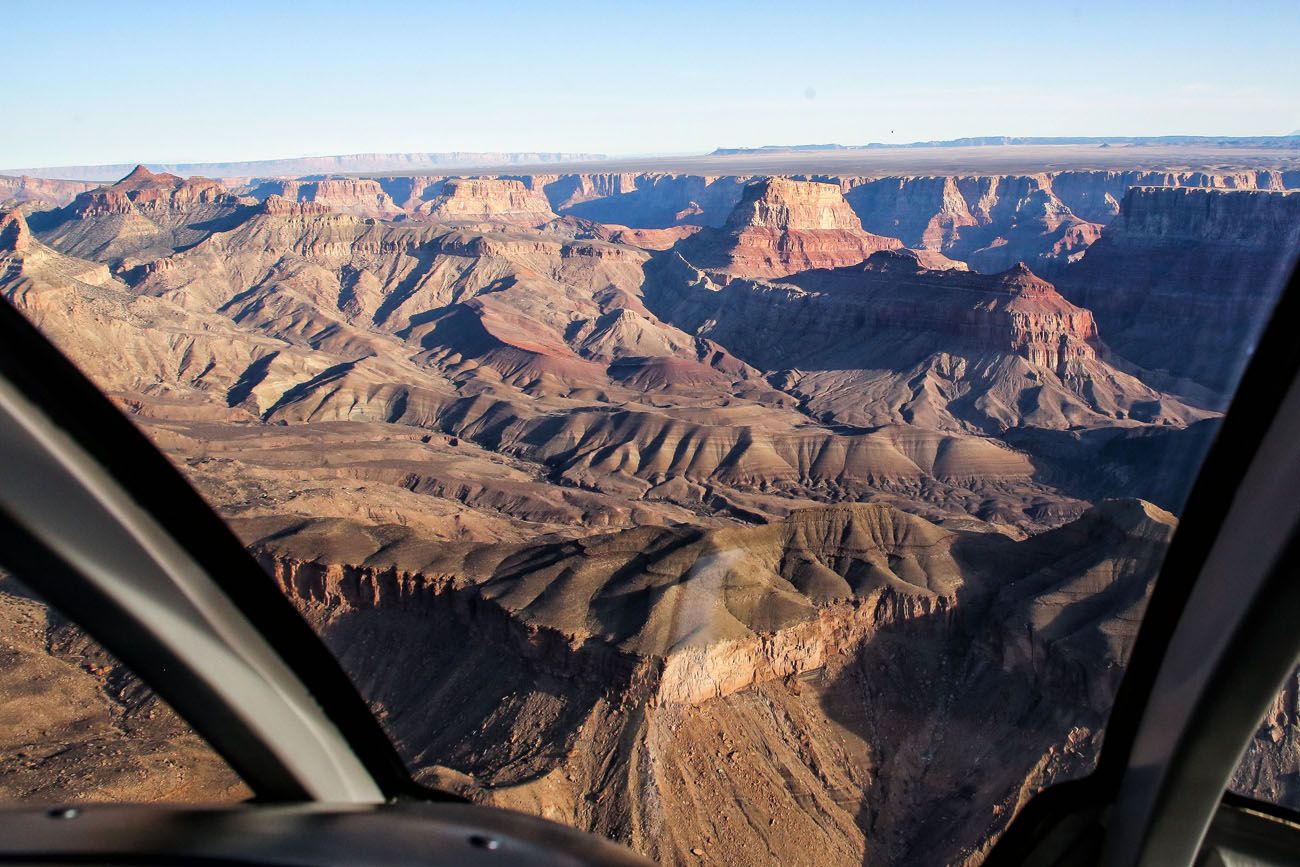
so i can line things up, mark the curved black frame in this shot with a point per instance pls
(1270, 374)
(46, 378)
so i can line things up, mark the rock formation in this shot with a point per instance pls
(696, 671)
(782, 226)
(1017, 352)
(681, 508)
(1178, 259)
(29, 189)
(488, 200)
(141, 216)
(361, 197)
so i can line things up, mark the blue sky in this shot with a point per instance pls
(101, 82)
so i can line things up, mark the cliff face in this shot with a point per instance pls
(1015, 350)
(142, 216)
(988, 221)
(1177, 259)
(142, 191)
(647, 201)
(27, 189)
(488, 200)
(782, 226)
(794, 667)
(360, 197)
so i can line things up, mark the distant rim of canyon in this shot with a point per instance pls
(993, 154)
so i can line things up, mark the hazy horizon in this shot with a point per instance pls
(162, 82)
(620, 157)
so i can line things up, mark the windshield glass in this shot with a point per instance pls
(76, 725)
(747, 505)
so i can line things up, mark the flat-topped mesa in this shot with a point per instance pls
(142, 190)
(360, 197)
(783, 226)
(280, 206)
(781, 203)
(488, 200)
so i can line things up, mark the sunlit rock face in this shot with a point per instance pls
(782, 226)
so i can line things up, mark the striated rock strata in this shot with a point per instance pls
(782, 226)
(644, 684)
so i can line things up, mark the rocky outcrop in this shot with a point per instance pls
(361, 197)
(822, 650)
(1018, 352)
(281, 206)
(782, 227)
(488, 200)
(141, 217)
(1183, 279)
(645, 201)
(142, 191)
(15, 235)
(28, 189)
(990, 222)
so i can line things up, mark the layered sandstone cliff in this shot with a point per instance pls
(802, 668)
(23, 188)
(142, 216)
(1183, 279)
(361, 197)
(781, 227)
(144, 191)
(488, 200)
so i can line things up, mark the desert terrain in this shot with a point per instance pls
(790, 507)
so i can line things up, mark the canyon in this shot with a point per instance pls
(800, 518)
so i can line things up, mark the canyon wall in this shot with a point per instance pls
(1176, 260)
(24, 188)
(640, 686)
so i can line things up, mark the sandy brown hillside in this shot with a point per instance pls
(833, 679)
(742, 519)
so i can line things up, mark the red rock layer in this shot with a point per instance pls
(783, 226)
(28, 189)
(144, 191)
(362, 197)
(479, 200)
(14, 234)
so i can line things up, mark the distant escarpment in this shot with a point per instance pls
(647, 201)
(795, 667)
(342, 163)
(1183, 279)
(991, 222)
(988, 221)
(28, 189)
